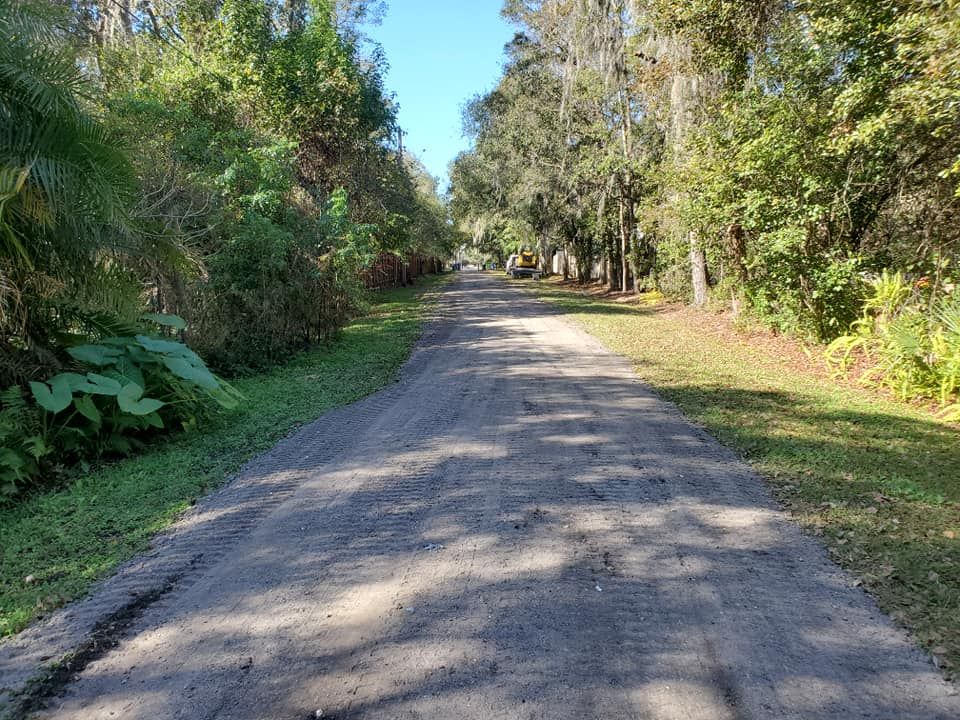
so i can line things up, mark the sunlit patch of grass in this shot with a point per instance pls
(54, 545)
(878, 480)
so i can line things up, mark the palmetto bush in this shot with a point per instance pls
(65, 189)
(909, 341)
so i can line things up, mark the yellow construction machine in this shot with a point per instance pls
(524, 264)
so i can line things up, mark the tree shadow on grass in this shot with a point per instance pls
(913, 458)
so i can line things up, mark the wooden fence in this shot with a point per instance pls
(389, 270)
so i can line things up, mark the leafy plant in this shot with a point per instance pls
(911, 344)
(152, 379)
(21, 441)
(120, 391)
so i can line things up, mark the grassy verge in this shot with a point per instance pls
(878, 480)
(66, 539)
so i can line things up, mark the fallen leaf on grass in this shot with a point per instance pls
(949, 534)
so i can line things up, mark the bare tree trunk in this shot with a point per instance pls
(698, 269)
(544, 248)
(624, 247)
(631, 232)
(626, 200)
(116, 22)
(613, 278)
(154, 21)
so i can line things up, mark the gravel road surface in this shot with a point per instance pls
(517, 529)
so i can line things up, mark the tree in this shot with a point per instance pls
(66, 190)
(769, 154)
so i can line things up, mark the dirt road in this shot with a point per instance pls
(517, 529)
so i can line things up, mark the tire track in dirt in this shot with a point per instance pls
(517, 529)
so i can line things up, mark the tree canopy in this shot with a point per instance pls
(210, 172)
(776, 155)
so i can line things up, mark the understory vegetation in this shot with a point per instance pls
(54, 545)
(188, 190)
(788, 161)
(874, 478)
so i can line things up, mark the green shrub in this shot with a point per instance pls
(910, 342)
(273, 292)
(797, 292)
(21, 445)
(120, 391)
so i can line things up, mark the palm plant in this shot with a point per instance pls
(65, 186)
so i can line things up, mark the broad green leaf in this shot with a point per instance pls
(167, 347)
(225, 399)
(86, 407)
(102, 385)
(75, 380)
(154, 420)
(130, 371)
(174, 321)
(55, 400)
(187, 371)
(130, 401)
(61, 386)
(99, 355)
(131, 392)
(142, 357)
(146, 406)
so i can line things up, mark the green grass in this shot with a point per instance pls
(878, 480)
(69, 538)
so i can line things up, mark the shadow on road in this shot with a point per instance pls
(518, 529)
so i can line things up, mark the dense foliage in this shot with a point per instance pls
(773, 157)
(182, 180)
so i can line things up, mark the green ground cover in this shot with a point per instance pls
(877, 479)
(66, 539)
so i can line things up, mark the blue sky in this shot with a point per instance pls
(441, 53)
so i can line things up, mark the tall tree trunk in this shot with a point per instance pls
(626, 199)
(631, 231)
(116, 22)
(614, 274)
(685, 94)
(698, 270)
(624, 247)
